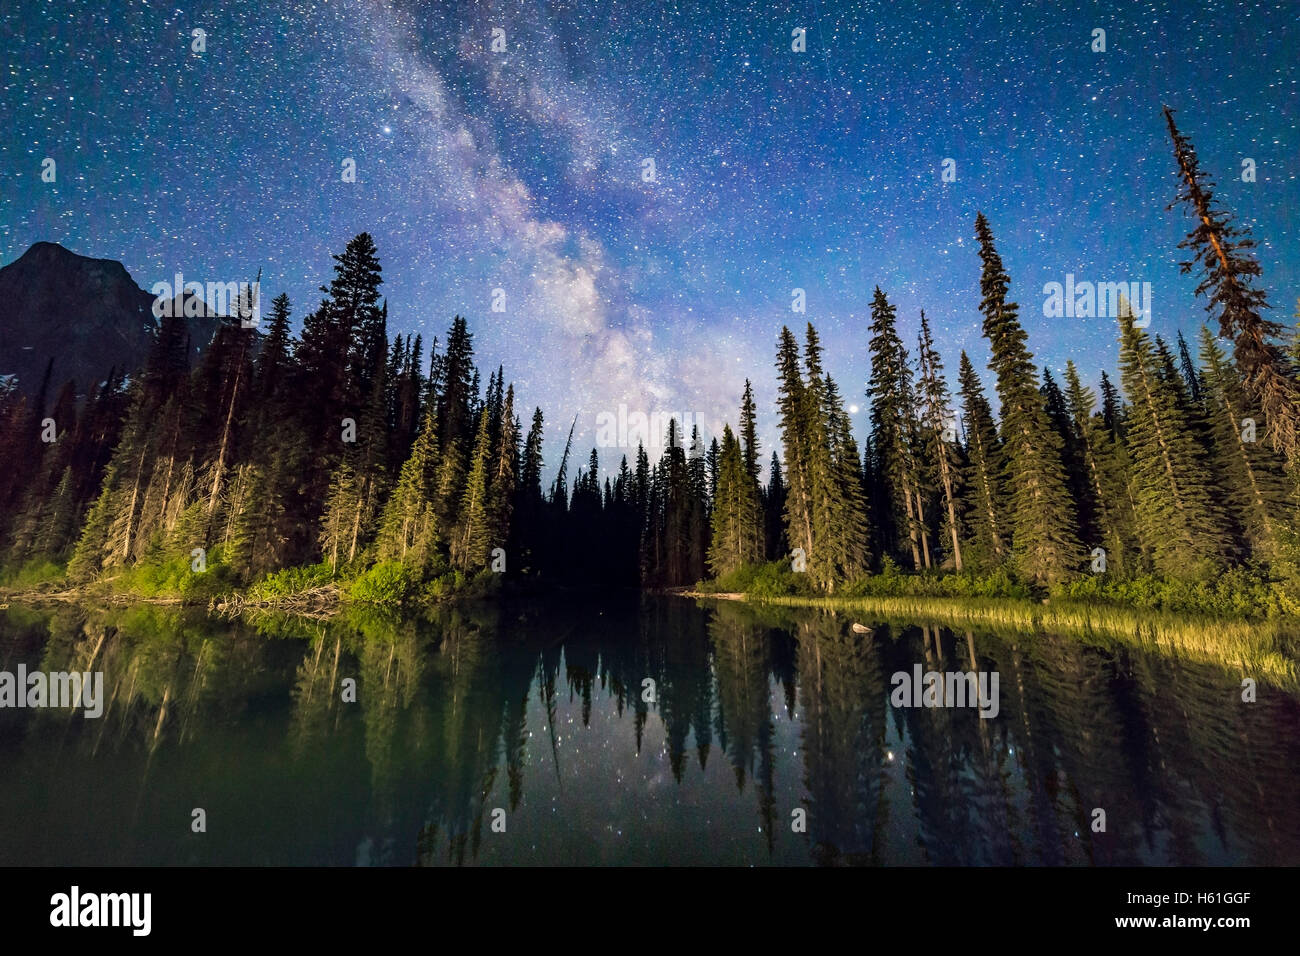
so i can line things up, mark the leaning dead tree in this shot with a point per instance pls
(1223, 252)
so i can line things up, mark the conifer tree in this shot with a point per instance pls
(1043, 523)
(408, 529)
(1249, 472)
(469, 548)
(530, 504)
(792, 408)
(1177, 517)
(530, 478)
(117, 538)
(267, 532)
(713, 461)
(1191, 374)
(641, 481)
(940, 441)
(774, 504)
(360, 481)
(893, 430)
(1105, 466)
(1111, 407)
(337, 337)
(456, 420)
(675, 554)
(559, 497)
(749, 431)
(341, 505)
(736, 514)
(850, 536)
(88, 555)
(1229, 269)
(1072, 457)
(823, 489)
(505, 474)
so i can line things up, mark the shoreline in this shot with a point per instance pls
(1268, 648)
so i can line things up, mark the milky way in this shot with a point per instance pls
(524, 169)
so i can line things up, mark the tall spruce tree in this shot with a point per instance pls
(792, 409)
(736, 514)
(408, 530)
(749, 431)
(1191, 374)
(1044, 539)
(1178, 520)
(505, 470)
(850, 534)
(1072, 457)
(1105, 467)
(1112, 411)
(774, 505)
(470, 542)
(1251, 474)
(823, 490)
(940, 436)
(893, 432)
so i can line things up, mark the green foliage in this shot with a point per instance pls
(32, 574)
(775, 579)
(1245, 592)
(291, 581)
(470, 544)
(985, 497)
(388, 583)
(174, 577)
(427, 478)
(1179, 520)
(737, 528)
(891, 582)
(1045, 547)
(770, 579)
(457, 584)
(895, 441)
(1240, 592)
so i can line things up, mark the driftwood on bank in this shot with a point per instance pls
(319, 602)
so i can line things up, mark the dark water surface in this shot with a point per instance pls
(537, 715)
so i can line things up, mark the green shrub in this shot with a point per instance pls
(173, 576)
(291, 581)
(738, 581)
(388, 583)
(32, 573)
(893, 582)
(1240, 592)
(776, 579)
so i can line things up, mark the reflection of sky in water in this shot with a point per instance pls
(613, 805)
(252, 731)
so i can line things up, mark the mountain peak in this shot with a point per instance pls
(87, 315)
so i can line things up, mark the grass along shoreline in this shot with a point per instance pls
(1266, 649)
(1262, 647)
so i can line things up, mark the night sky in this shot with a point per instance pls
(523, 170)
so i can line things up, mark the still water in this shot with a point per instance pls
(627, 731)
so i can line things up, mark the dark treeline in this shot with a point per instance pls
(346, 451)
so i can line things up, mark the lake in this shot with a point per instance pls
(629, 730)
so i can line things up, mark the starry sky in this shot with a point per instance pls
(523, 170)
